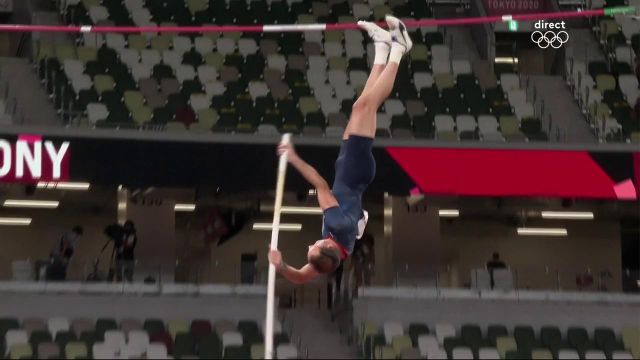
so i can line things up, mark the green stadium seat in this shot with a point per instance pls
(400, 343)
(257, 351)
(38, 337)
(161, 42)
(541, 354)
(505, 344)
(152, 326)
(417, 329)
(227, 122)
(604, 336)
(107, 56)
(371, 342)
(185, 345)
(423, 126)
(210, 346)
(248, 122)
(142, 115)
(577, 336)
(105, 324)
(450, 343)
(65, 337)
(236, 352)
(87, 54)
(525, 337)
(64, 52)
(471, 336)
(76, 350)
(308, 105)
(20, 351)
(532, 129)
(103, 83)
(385, 352)
(551, 337)
(133, 100)
(517, 355)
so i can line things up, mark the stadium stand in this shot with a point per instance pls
(607, 88)
(106, 338)
(304, 83)
(418, 340)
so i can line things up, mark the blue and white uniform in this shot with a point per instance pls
(355, 170)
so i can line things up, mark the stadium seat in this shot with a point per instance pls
(58, 324)
(525, 337)
(257, 351)
(400, 343)
(542, 354)
(384, 352)
(427, 344)
(621, 355)
(210, 346)
(488, 353)
(594, 355)
(156, 351)
(410, 353)
(48, 350)
(462, 353)
(76, 350)
(103, 351)
(184, 345)
(286, 351)
(20, 351)
(505, 344)
(416, 330)
(38, 337)
(15, 336)
(114, 338)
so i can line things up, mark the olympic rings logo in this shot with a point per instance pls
(549, 38)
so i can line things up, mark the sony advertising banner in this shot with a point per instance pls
(30, 159)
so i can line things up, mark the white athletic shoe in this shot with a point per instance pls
(399, 32)
(362, 223)
(376, 33)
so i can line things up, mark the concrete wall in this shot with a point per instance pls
(22, 305)
(591, 245)
(157, 245)
(36, 241)
(426, 247)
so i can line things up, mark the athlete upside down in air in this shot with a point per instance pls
(344, 219)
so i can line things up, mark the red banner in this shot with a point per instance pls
(531, 173)
(510, 7)
(31, 159)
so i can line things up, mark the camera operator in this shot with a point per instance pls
(125, 240)
(61, 254)
(125, 253)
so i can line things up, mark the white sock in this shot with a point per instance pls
(397, 51)
(382, 53)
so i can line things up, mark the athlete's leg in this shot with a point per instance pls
(363, 115)
(382, 42)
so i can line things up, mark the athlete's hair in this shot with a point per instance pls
(327, 261)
